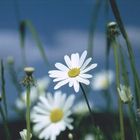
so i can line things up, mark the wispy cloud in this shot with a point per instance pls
(64, 42)
(10, 46)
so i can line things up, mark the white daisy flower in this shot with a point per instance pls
(125, 94)
(51, 115)
(102, 80)
(74, 73)
(23, 134)
(39, 90)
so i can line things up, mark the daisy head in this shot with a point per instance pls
(74, 72)
(51, 115)
(102, 80)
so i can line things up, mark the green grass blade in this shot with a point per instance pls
(22, 42)
(129, 48)
(27, 24)
(92, 27)
(3, 88)
(120, 105)
(125, 78)
(123, 67)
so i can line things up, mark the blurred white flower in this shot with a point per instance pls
(38, 90)
(102, 80)
(23, 134)
(51, 115)
(89, 137)
(80, 108)
(125, 93)
(75, 71)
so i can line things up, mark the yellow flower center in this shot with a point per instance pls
(56, 115)
(74, 72)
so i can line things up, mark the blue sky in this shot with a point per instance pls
(63, 28)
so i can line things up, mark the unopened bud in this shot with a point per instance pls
(112, 24)
(28, 80)
(125, 94)
(23, 134)
(112, 30)
(29, 70)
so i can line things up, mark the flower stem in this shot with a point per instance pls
(129, 48)
(3, 88)
(114, 44)
(28, 112)
(89, 108)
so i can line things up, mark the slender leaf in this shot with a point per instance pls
(92, 28)
(3, 88)
(129, 48)
(28, 24)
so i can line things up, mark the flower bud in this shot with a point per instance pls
(125, 94)
(112, 30)
(29, 70)
(23, 134)
(28, 80)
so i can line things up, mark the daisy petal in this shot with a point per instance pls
(61, 67)
(76, 86)
(67, 61)
(75, 60)
(60, 79)
(82, 58)
(86, 75)
(86, 63)
(92, 66)
(69, 102)
(61, 83)
(84, 81)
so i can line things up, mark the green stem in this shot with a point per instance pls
(134, 124)
(28, 112)
(114, 44)
(129, 48)
(5, 124)
(89, 108)
(132, 116)
(3, 88)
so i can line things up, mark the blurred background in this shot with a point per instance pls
(63, 28)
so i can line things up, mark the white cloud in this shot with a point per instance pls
(64, 42)
(69, 41)
(10, 46)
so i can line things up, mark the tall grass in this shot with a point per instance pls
(121, 73)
